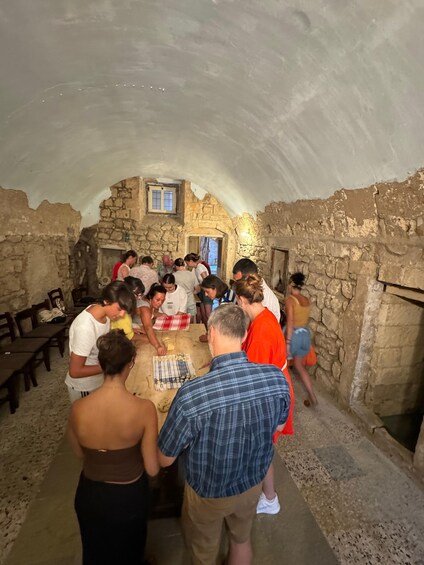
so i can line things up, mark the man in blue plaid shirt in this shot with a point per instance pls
(224, 422)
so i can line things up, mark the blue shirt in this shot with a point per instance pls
(229, 297)
(224, 421)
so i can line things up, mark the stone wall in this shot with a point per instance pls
(348, 246)
(396, 383)
(34, 249)
(125, 223)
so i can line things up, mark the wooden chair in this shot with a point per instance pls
(71, 313)
(28, 326)
(54, 295)
(78, 295)
(11, 365)
(8, 382)
(31, 352)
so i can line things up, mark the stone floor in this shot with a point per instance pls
(343, 501)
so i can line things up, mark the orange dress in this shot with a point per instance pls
(265, 343)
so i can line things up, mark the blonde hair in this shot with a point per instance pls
(250, 287)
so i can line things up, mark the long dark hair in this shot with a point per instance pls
(118, 291)
(155, 289)
(192, 257)
(214, 282)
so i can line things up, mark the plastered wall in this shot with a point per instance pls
(34, 249)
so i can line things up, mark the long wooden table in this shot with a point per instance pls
(140, 379)
(166, 490)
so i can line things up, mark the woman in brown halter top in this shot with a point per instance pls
(114, 433)
(298, 338)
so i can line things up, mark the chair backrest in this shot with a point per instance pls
(25, 320)
(54, 295)
(7, 328)
(78, 293)
(36, 308)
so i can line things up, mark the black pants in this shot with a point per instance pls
(112, 520)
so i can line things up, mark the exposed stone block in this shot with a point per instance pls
(341, 269)
(405, 314)
(333, 287)
(330, 269)
(317, 266)
(324, 363)
(413, 278)
(320, 299)
(324, 343)
(330, 320)
(366, 268)
(123, 214)
(315, 313)
(347, 289)
(336, 370)
(390, 357)
(116, 235)
(412, 354)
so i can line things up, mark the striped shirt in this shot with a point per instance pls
(224, 422)
(228, 298)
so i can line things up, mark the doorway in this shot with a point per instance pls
(210, 250)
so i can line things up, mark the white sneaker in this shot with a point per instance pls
(266, 506)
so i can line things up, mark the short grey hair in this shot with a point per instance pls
(230, 320)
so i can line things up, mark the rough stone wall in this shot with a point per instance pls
(396, 384)
(124, 214)
(345, 245)
(34, 249)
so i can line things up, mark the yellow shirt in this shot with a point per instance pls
(300, 314)
(125, 324)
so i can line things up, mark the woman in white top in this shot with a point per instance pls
(188, 281)
(175, 299)
(193, 261)
(85, 373)
(148, 310)
(130, 258)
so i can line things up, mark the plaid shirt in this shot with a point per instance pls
(224, 421)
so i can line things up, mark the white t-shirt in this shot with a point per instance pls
(198, 271)
(270, 301)
(174, 302)
(83, 335)
(188, 281)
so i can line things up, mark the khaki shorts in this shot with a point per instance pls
(203, 518)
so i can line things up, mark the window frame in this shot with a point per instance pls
(174, 189)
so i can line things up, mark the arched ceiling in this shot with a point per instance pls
(253, 100)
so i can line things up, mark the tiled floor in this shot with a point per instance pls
(337, 491)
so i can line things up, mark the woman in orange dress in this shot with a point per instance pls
(264, 343)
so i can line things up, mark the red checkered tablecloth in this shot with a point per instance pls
(177, 322)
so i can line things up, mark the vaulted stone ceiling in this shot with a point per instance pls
(252, 100)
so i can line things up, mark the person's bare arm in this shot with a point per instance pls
(78, 368)
(73, 441)
(150, 436)
(290, 321)
(146, 319)
(164, 460)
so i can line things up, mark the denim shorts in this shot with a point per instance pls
(300, 342)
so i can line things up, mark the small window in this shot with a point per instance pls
(162, 199)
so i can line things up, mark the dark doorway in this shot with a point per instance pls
(404, 428)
